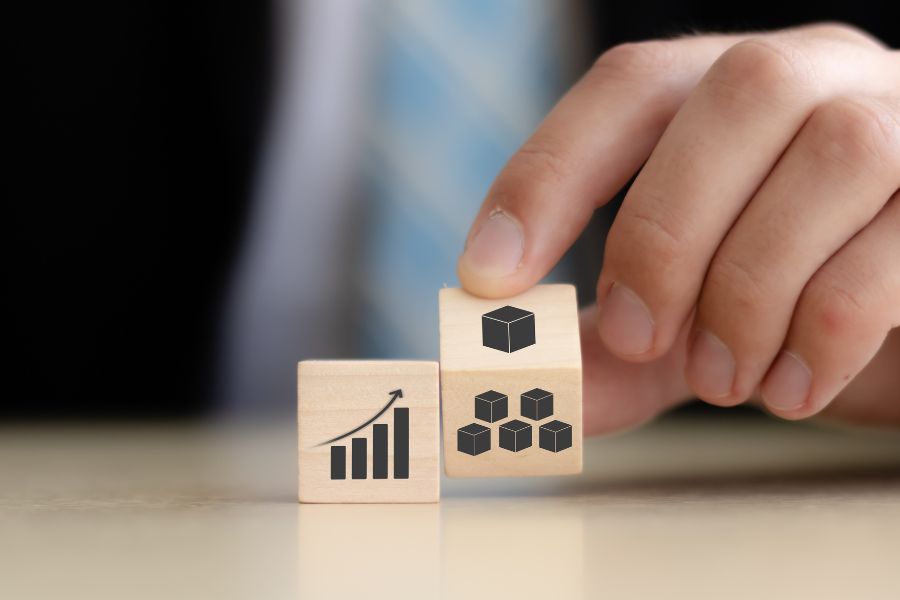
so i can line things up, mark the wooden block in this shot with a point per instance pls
(368, 431)
(511, 383)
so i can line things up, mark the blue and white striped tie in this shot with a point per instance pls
(457, 87)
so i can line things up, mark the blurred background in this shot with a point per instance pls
(200, 194)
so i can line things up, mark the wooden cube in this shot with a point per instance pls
(545, 375)
(368, 431)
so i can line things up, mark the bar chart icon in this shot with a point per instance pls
(368, 431)
(359, 447)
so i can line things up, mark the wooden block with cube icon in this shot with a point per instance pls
(511, 383)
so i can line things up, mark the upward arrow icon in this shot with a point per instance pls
(398, 393)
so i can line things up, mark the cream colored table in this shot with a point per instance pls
(707, 509)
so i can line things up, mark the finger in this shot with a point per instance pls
(871, 398)
(586, 149)
(832, 181)
(842, 319)
(619, 395)
(714, 155)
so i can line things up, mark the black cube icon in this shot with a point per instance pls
(555, 436)
(537, 404)
(515, 435)
(507, 329)
(473, 439)
(491, 406)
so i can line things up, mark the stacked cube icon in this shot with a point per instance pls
(555, 436)
(491, 406)
(536, 404)
(507, 329)
(515, 435)
(473, 439)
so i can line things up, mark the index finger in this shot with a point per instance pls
(587, 148)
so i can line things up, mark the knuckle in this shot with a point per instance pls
(856, 134)
(647, 231)
(637, 60)
(540, 162)
(746, 288)
(761, 70)
(835, 303)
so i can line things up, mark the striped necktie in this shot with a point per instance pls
(456, 88)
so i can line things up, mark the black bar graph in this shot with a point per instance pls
(359, 458)
(339, 462)
(359, 447)
(379, 451)
(401, 443)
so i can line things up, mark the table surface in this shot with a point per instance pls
(710, 508)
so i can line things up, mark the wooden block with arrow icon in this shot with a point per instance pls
(368, 431)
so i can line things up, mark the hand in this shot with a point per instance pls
(758, 250)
